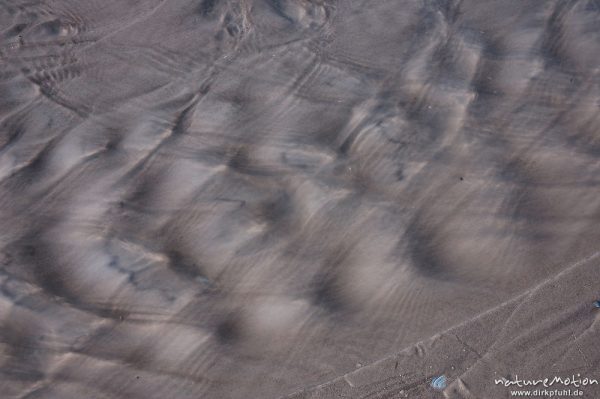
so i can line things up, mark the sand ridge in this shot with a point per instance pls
(250, 198)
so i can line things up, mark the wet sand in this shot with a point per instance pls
(297, 198)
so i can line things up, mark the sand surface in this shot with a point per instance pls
(247, 199)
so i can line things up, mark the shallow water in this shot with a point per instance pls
(243, 199)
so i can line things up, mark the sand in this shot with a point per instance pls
(297, 198)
